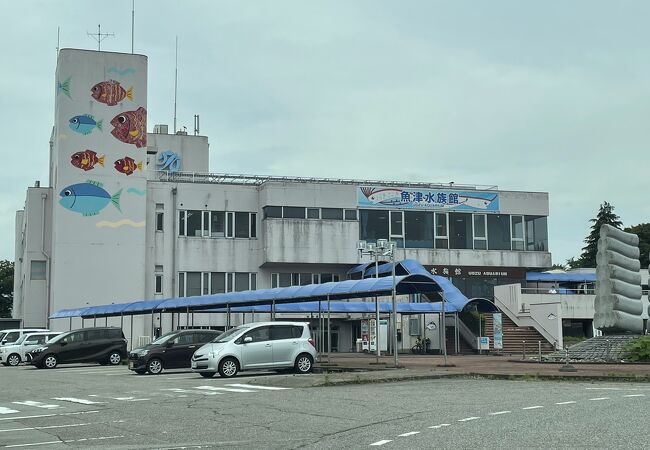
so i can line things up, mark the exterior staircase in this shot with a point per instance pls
(465, 348)
(514, 337)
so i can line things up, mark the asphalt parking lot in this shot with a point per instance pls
(92, 406)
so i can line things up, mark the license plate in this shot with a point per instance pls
(131, 365)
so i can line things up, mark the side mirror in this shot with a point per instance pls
(3, 342)
(248, 339)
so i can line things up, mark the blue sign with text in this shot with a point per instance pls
(390, 197)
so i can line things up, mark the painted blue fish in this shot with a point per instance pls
(88, 198)
(84, 124)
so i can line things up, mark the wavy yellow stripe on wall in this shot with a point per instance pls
(119, 223)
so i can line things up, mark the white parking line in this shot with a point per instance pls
(498, 413)
(37, 404)
(265, 388)
(467, 419)
(410, 433)
(77, 400)
(533, 407)
(598, 399)
(122, 399)
(187, 391)
(435, 427)
(4, 410)
(40, 416)
(214, 388)
(69, 441)
(634, 395)
(33, 444)
(565, 403)
(46, 428)
(382, 442)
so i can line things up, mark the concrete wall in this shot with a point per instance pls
(192, 150)
(99, 249)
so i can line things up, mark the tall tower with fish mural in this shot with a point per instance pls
(97, 175)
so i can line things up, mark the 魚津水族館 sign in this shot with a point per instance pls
(412, 198)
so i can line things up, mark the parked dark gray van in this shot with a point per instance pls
(105, 345)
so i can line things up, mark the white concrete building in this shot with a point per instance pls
(180, 231)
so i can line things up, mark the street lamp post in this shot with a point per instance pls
(383, 247)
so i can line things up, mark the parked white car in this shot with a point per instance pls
(254, 346)
(15, 353)
(11, 336)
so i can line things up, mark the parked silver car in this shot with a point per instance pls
(254, 346)
(16, 352)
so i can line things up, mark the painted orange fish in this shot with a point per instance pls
(131, 127)
(111, 92)
(86, 160)
(127, 165)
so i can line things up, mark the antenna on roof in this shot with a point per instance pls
(132, 23)
(175, 84)
(58, 40)
(196, 125)
(99, 36)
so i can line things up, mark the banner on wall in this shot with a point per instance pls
(444, 200)
(497, 328)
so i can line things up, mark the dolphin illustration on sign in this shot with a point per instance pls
(386, 196)
(169, 161)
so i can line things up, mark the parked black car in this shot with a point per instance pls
(105, 345)
(171, 351)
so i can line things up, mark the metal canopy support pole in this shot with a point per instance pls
(444, 327)
(187, 317)
(319, 347)
(160, 322)
(122, 321)
(377, 350)
(131, 331)
(152, 316)
(192, 319)
(227, 317)
(329, 330)
(106, 323)
(71, 322)
(94, 321)
(456, 333)
(394, 316)
(273, 310)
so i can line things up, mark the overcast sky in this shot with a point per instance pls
(533, 96)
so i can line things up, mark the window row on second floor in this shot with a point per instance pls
(302, 212)
(217, 224)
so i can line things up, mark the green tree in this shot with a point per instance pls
(6, 288)
(643, 231)
(588, 257)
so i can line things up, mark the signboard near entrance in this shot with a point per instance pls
(478, 271)
(497, 329)
(483, 343)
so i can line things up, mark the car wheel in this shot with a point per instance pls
(13, 359)
(155, 366)
(114, 358)
(50, 362)
(207, 374)
(304, 363)
(228, 367)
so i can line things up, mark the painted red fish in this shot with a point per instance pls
(86, 160)
(131, 127)
(110, 92)
(127, 165)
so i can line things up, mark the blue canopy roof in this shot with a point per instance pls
(414, 280)
(568, 277)
(343, 307)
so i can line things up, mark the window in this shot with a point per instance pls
(242, 281)
(11, 337)
(158, 284)
(193, 284)
(373, 225)
(193, 223)
(217, 224)
(281, 332)
(253, 220)
(517, 232)
(480, 232)
(332, 213)
(37, 270)
(181, 223)
(536, 233)
(460, 231)
(184, 339)
(396, 222)
(230, 227)
(217, 283)
(258, 334)
(350, 214)
(418, 229)
(313, 213)
(414, 326)
(442, 238)
(301, 279)
(242, 224)
(498, 228)
(293, 212)
(273, 212)
(159, 221)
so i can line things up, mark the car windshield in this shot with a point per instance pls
(225, 336)
(22, 339)
(56, 339)
(165, 337)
